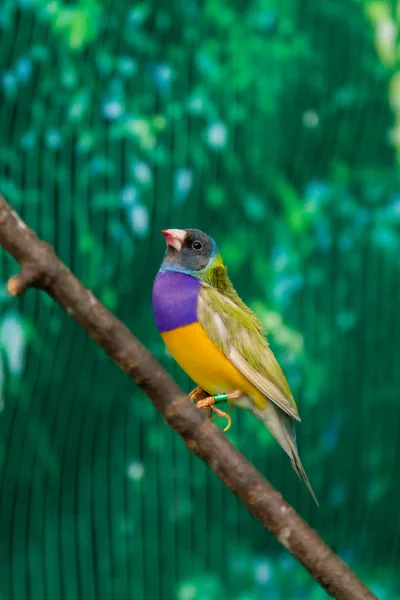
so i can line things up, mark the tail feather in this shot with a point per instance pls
(282, 428)
(298, 467)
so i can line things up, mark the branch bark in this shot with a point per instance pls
(41, 268)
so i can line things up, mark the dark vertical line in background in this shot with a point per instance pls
(52, 491)
(101, 504)
(333, 303)
(118, 476)
(141, 454)
(390, 352)
(95, 547)
(341, 355)
(108, 476)
(68, 527)
(375, 301)
(84, 483)
(366, 368)
(355, 411)
(394, 379)
(128, 530)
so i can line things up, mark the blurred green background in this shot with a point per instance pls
(273, 125)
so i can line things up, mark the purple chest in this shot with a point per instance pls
(175, 297)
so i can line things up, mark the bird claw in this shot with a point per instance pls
(223, 415)
(196, 393)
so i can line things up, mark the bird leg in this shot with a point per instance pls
(218, 399)
(211, 401)
(199, 394)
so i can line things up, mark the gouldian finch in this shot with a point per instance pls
(218, 341)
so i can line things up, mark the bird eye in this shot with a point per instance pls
(197, 245)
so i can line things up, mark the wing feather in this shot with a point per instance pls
(266, 386)
(236, 331)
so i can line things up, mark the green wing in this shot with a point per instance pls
(237, 332)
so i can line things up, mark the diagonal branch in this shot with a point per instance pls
(41, 268)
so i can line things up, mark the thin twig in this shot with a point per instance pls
(41, 268)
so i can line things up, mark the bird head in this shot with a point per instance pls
(190, 251)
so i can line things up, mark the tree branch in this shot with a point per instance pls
(41, 268)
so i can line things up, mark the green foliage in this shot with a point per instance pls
(273, 127)
(77, 25)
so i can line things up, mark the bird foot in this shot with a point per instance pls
(196, 393)
(210, 402)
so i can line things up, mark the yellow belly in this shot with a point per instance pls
(200, 358)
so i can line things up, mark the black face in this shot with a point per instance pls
(196, 251)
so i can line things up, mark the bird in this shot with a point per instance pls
(218, 340)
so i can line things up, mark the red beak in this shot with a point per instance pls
(174, 237)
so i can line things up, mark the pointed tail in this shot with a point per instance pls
(298, 467)
(282, 428)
